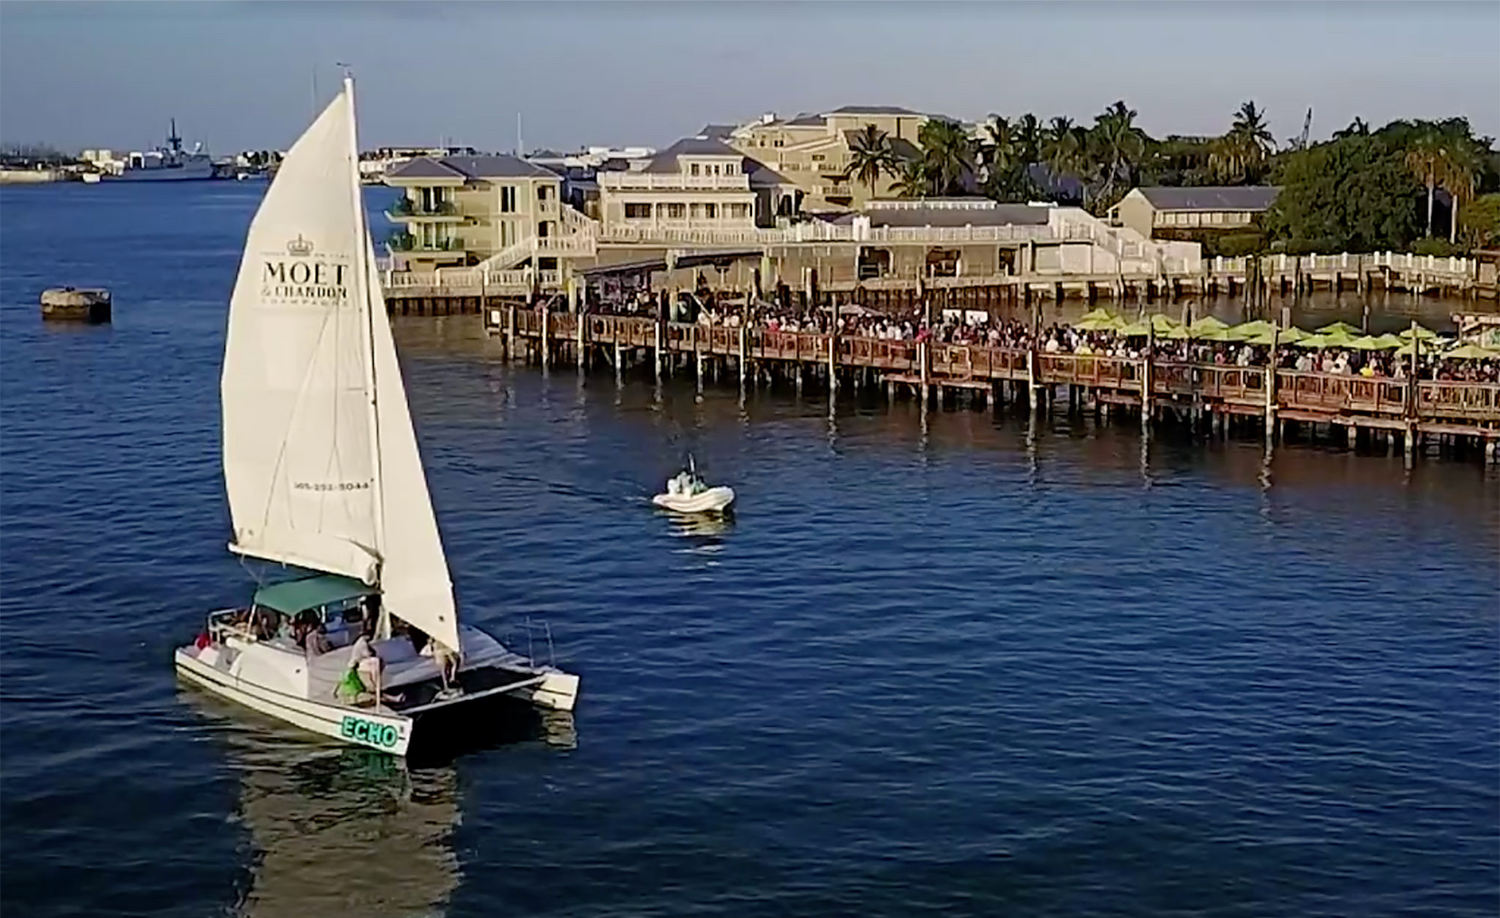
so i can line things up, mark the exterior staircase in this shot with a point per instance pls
(578, 240)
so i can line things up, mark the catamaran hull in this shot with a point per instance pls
(387, 732)
(713, 500)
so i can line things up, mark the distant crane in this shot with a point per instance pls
(1301, 142)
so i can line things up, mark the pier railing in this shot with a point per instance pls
(1239, 389)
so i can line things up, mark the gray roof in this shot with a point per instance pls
(1212, 197)
(762, 174)
(873, 110)
(717, 131)
(666, 160)
(999, 215)
(423, 167)
(806, 120)
(471, 167)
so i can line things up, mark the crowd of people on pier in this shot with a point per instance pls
(1432, 361)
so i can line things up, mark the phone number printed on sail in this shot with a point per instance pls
(331, 486)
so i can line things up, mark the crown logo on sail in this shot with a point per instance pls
(299, 247)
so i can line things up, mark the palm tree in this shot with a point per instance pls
(1425, 159)
(1116, 145)
(1029, 139)
(1004, 161)
(870, 156)
(1240, 153)
(1462, 167)
(947, 154)
(1063, 146)
(1357, 128)
(913, 181)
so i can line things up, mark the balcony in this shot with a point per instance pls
(406, 210)
(659, 181)
(406, 242)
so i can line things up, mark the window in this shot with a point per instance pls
(507, 199)
(1217, 217)
(542, 192)
(674, 211)
(637, 211)
(736, 211)
(693, 169)
(817, 157)
(710, 211)
(732, 169)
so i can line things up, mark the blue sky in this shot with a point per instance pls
(240, 74)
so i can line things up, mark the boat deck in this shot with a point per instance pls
(475, 683)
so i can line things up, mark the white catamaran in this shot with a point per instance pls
(323, 473)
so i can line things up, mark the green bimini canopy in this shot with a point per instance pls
(292, 596)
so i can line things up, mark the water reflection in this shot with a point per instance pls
(340, 830)
(343, 831)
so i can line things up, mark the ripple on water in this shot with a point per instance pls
(967, 664)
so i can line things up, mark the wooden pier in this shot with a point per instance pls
(1389, 413)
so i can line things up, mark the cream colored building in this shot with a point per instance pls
(696, 188)
(1173, 211)
(813, 150)
(461, 210)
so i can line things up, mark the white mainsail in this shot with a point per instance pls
(320, 460)
(414, 581)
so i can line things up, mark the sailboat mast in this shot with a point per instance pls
(362, 302)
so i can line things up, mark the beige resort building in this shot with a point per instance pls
(813, 150)
(1161, 212)
(698, 187)
(461, 210)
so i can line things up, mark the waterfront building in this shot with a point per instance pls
(462, 210)
(1192, 212)
(813, 151)
(698, 188)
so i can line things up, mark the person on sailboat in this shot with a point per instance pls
(366, 666)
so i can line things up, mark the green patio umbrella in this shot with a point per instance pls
(1096, 314)
(1470, 352)
(1311, 341)
(1092, 322)
(1135, 330)
(1422, 348)
(1222, 334)
(1163, 323)
(1388, 341)
(1247, 329)
(1337, 338)
(1179, 333)
(1344, 327)
(1206, 324)
(1366, 343)
(1426, 334)
(1284, 336)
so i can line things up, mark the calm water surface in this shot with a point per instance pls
(958, 664)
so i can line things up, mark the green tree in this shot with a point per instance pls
(1115, 148)
(871, 156)
(1240, 155)
(913, 180)
(1006, 162)
(1424, 158)
(1350, 195)
(1480, 226)
(1462, 170)
(947, 155)
(1029, 137)
(1357, 128)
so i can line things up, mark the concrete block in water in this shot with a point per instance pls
(71, 304)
